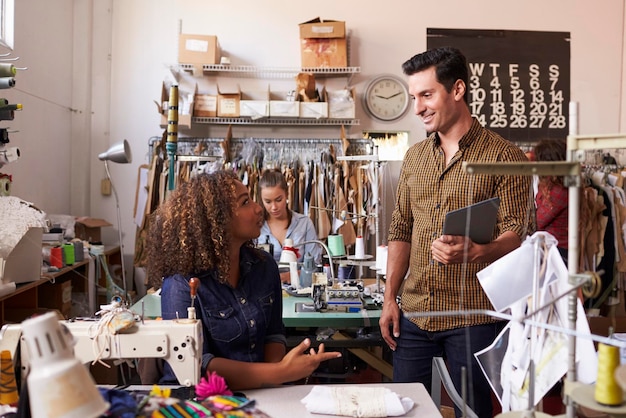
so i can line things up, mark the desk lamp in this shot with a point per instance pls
(118, 153)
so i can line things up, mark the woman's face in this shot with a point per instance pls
(275, 201)
(248, 216)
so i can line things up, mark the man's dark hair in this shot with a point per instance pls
(450, 65)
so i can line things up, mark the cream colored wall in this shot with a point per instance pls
(74, 107)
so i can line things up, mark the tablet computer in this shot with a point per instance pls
(482, 218)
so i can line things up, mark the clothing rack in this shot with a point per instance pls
(358, 146)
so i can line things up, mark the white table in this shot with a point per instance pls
(284, 401)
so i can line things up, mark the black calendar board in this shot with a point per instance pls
(519, 81)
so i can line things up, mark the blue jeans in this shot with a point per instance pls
(412, 360)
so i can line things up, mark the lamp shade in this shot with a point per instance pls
(59, 386)
(118, 153)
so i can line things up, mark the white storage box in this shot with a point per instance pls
(282, 108)
(255, 105)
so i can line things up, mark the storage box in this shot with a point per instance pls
(228, 102)
(25, 260)
(198, 49)
(255, 105)
(280, 107)
(56, 296)
(89, 229)
(185, 106)
(323, 43)
(315, 110)
(205, 105)
(341, 104)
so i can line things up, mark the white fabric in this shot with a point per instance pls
(354, 401)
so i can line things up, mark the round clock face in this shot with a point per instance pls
(387, 97)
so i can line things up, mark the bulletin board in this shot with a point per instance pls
(519, 81)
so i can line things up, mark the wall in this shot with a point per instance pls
(85, 89)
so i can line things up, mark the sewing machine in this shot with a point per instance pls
(179, 342)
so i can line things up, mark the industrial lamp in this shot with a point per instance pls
(118, 153)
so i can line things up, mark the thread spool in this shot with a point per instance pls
(68, 253)
(7, 82)
(346, 272)
(7, 69)
(336, 246)
(79, 251)
(56, 257)
(381, 259)
(607, 391)
(359, 248)
(8, 387)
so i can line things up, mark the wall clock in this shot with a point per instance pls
(386, 97)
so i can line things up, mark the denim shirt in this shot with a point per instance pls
(236, 322)
(300, 229)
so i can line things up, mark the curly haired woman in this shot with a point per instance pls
(205, 229)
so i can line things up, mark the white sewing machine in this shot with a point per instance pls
(179, 342)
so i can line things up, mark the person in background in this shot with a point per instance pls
(443, 268)
(552, 196)
(206, 229)
(282, 223)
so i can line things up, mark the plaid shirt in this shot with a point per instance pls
(427, 190)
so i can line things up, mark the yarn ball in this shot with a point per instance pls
(211, 385)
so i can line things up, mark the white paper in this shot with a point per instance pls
(506, 362)
(510, 278)
(356, 401)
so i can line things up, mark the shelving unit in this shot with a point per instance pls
(30, 297)
(279, 73)
(275, 121)
(270, 72)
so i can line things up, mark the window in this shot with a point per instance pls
(7, 16)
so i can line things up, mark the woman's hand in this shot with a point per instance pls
(298, 364)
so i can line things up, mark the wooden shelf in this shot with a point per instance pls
(28, 298)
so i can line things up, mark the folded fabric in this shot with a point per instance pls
(356, 401)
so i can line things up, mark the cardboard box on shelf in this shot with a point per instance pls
(56, 296)
(185, 105)
(255, 104)
(205, 105)
(228, 102)
(198, 49)
(89, 229)
(25, 260)
(341, 104)
(323, 43)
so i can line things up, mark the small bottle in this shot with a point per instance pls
(329, 276)
(269, 247)
(306, 273)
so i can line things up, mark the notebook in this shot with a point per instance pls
(482, 219)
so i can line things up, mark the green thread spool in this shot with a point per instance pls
(336, 246)
(68, 252)
(607, 391)
(7, 69)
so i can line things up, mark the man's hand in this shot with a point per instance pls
(390, 318)
(451, 249)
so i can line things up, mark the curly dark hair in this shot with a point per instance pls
(190, 232)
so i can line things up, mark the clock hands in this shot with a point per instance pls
(388, 97)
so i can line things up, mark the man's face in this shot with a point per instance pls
(438, 109)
